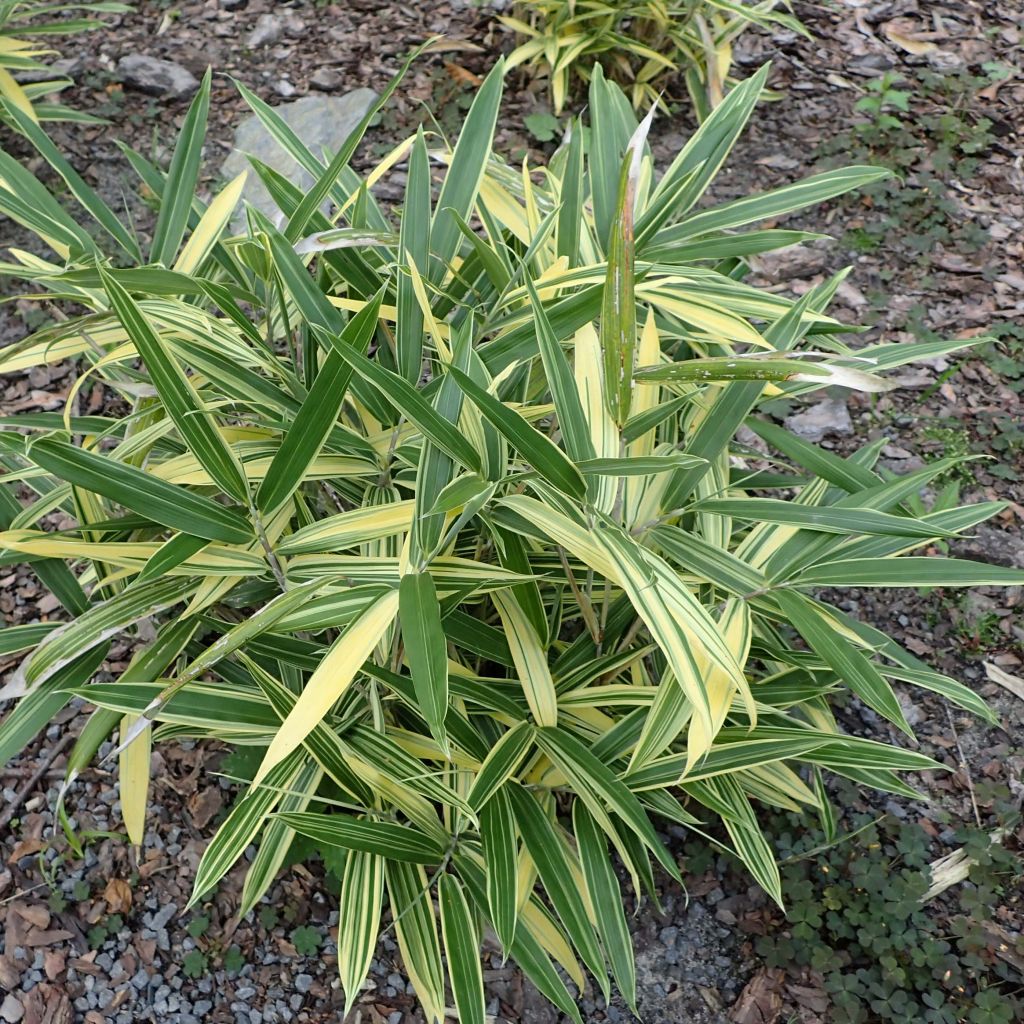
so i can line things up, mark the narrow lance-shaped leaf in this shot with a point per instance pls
(243, 824)
(852, 666)
(416, 929)
(195, 424)
(318, 414)
(572, 420)
(465, 172)
(530, 659)
(332, 678)
(606, 899)
(425, 649)
(362, 894)
(141, 492)
(498, 834)
(502, 762)
(536, 448)
(722, 368)
(384, 838)
(618, 308)
(551, 857)
(86, 196)
(414, 246)
(181, 179)
(462, 950)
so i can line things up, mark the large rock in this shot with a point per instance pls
(323, 123)
(828, 417)
(155, 76)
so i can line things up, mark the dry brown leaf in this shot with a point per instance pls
(905, 34)
(1012, 683)
(204, 805)
(118, 895)
(462, 75)
(761, 1001)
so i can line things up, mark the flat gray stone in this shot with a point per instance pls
(155, 76)
(323, 123)
(11, 1010)
(828, 417)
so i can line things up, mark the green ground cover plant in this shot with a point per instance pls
(439, 516)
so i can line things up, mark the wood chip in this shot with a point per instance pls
(1012, 683)
(47, 1004)
(35, 914)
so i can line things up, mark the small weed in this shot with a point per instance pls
(194, 964)
(197, 926)
(855, 915)
(306, 940)
(543, 126)
(233, 960)
(920, 128)
(105, 929)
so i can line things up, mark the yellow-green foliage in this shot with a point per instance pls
(25, 31)
(441, 517)
(641, 44)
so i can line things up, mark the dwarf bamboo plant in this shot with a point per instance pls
(643, 44)
(26, 26)
(440, 511)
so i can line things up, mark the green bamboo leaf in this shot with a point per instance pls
(501, 857)
(854, 668)
(416, 409)
(639, 465)
(142, 492)
(571, 195)
(755, 367)
(618, 307)
(170, 555)
(243, 823)
(277, 838)
(36, 710)
(315, 196)
(824, 518)
(414, 247)
(416, 929)
(425, 649)
(86, 196)
(774, 204)
(182, 176)
(537, 449)
(606, 899)
(592, 777)
(550, 855)
(571, 418)
(913, 571)
(318, 414)
(184, 406)
(396, 842)
(100, 623)
(527, 950)
(462, 950)
(465, 172)
(362, 896)
(501, 764)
